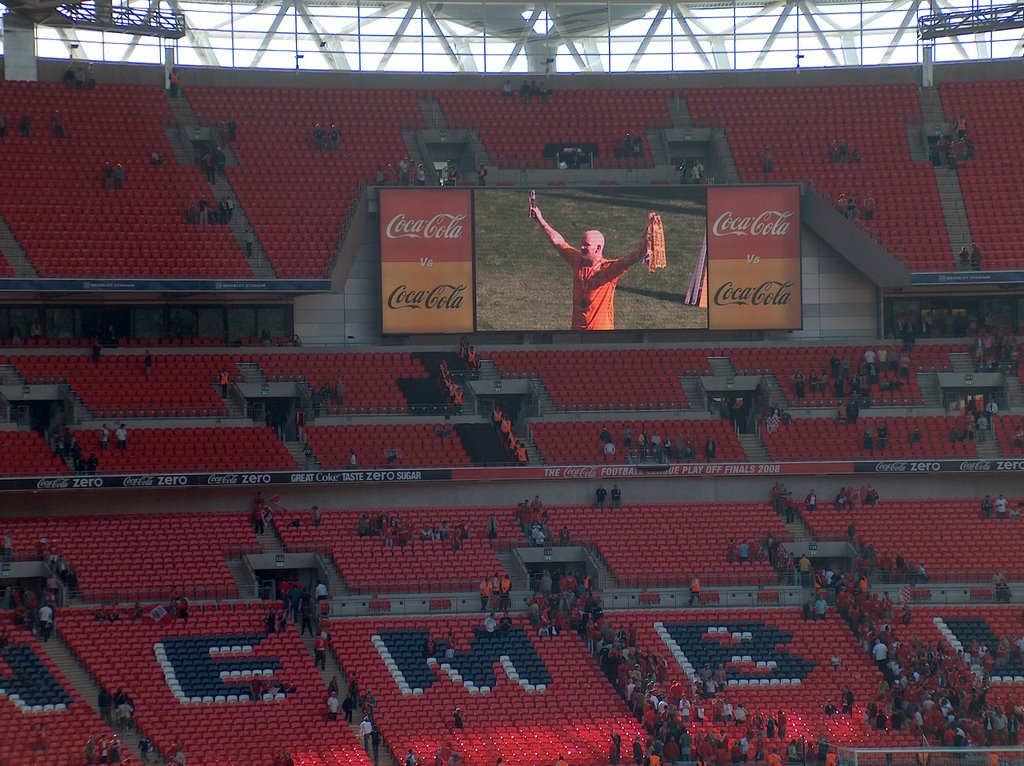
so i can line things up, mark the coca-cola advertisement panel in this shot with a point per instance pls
(754, 258)
(426, 254)
(531, 274)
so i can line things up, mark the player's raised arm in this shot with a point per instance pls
(554, 237)
(633, 257)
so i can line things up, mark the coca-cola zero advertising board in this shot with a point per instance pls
(426, 261)
(754, 258)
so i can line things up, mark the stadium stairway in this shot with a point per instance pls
(481, 441)
(83, 682)
(221, 188)
(754, 447)
(333, 670)
(425, 393)
(13, 252)
(950, 193)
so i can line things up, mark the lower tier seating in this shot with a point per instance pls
(919, 531)
(580, 441)
(173, 673)
(827, 438)
(43, 718)
(200, 449)
(414, 444)
(382, 563)
(658, 545)
(26, 454)
(131, 556)
(524, 699)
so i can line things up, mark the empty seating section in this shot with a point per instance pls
(580, 441)
(1006, 428)
(556, 702)
(26, 454)
(53, 198)
(194, 449)
(516, 133)
(37, 693)
(801, 650)
(666, 545)
(785, 362)
(920, 531)
(990, 181)
(370, 380)
(608, 379)
(827, 438)
(129, 556)
(371, 564)
(296, 197)
(163, 668)
(908, 218)
(118, 386)
(415, 444)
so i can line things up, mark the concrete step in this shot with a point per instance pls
(988, 449)
(306, 462)
(242, 575)
(693, 394)
(721, 366)
(800, 531)
(510, 563)
(270, 542)
(433, 116)
(962, 361)
(1014, 393)
(754, 448)
(14, 253)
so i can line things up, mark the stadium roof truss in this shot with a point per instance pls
(533, 38)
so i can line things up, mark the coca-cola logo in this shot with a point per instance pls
(222, 478)
(441, 226)
(580, 472)
(442, 297)
(891, 467)
(976, 465)
(770, 223)
(770, 293)
(139, 481)
(53, 483)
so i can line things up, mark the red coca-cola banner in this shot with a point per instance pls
(754, 258)
(426, 261)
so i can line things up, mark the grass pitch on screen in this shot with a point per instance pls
(522, 283)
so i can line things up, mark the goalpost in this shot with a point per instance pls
(932, 756)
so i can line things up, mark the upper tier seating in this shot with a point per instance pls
(804, 648)
(178, 386)
(132, 555)
(826, 438)
(908, 217)
(37, 693)
(371, 380)
(200, 449)
(660, 545)
(919, 530)
(516, 133)
(785, 362)
(416, 444)
(368, 564)
(991, 181)
(624, 379)
(296, 197)
(580, 441)
(53, 198)
(158, 665)
(560, 703)
(26, 454)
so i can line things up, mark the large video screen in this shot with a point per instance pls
(572, 259)
(525, 282)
